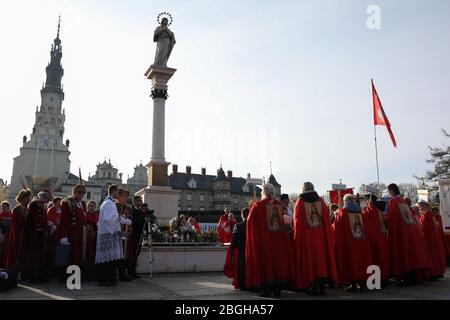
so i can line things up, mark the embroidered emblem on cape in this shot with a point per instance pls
(406, 213)
(356, 225)
(275, 219)
(313, 214)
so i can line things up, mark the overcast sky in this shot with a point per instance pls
(257, 81)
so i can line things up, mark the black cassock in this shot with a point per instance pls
(238, 241)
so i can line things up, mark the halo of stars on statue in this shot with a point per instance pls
(165, 15)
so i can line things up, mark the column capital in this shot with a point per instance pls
(159, 76)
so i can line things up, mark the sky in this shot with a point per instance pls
(286, 82)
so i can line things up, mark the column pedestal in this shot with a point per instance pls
(163, 200)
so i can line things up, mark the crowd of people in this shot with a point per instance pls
(42, 235)
(316, 245)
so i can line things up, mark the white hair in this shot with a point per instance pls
(268, 190)
(348, 198)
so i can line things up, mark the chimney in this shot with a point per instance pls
(188, 169)
(203, 171)
(230, 174)
(174, 169)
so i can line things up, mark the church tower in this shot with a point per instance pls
(44, 162)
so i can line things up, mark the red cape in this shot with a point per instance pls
(376, 230)
(352, 246)
(445, 237)
(13, 246)
(269, 256)
(407, 245)
(228, 231)
(313, 245)
(73, 220)
(230, 269)
(221, 226)
(434, 242)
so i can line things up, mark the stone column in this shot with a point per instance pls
(157, 168)
(159, 196)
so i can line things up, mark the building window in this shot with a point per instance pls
(189, 208)
(224, 195)
(88, 195)
(235, 200)
(211, 198)
(189, 197)
(109, 175)
(179, 208)
(202, 208)
(202, 197)
(218, 207)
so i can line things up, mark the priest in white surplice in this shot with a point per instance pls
(109, 239)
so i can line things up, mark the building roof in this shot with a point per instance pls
(273, 181)
(180, 181)
(221, 175)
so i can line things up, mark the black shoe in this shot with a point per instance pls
(352, 288)
(125, 278)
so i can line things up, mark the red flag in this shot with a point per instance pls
(379, 117)
(334, 194)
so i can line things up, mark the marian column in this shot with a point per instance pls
(159, 196)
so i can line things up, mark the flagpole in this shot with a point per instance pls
(376, 154)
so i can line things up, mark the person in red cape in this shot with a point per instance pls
(91, 238)
(14, 242)
(221, 226)
(434, 240)
(376, 229)
(228, 229)
(315, 262)
(408, 254)
(54, 216)
(5, 224)
(235, 261)
(195, 225)
(438, 217)
(74, 226)
(35, 238)
(352, 245)
(268, 256)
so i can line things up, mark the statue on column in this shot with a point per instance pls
(165, 40)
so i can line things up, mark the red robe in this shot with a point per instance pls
(313, 244)
(231, 267)
(4, 217)
(13, 246)
(92, 220)
(435, 244)
(268, 254)
(376, 230)
(74, 227)
(35, 237)
(197, 228)
(228, 231)
(352, 246)
(221, 227)
(54, 215)
(407, 245)
(445, 239)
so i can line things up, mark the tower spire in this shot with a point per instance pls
(59, 26)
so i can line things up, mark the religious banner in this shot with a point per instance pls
(334, 194)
